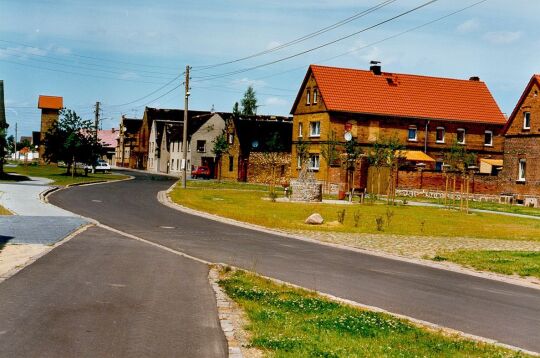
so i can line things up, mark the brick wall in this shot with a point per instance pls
(260, 171)
(436, 181)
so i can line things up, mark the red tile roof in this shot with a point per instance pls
(402, 95)
(108, 137)
(50, 102)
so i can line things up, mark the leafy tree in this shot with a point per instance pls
(3, 130)
(302, 152)
(330, 153)
(72, 140)
(272, 156)
(10, 147)
(249, 102)
(386, 152)
(458, 160)
(352, 152)
(221, 147)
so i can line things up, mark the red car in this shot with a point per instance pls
(201, 172)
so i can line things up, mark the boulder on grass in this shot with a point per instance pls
(314, 219)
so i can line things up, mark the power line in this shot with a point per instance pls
(302, 38)
(317, 47)
(94, 58)
(380, 41)
(76, 73)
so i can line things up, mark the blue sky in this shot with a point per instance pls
(116, 52)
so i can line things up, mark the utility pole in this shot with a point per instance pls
(15, 142)
(96, 120)
(185, 131)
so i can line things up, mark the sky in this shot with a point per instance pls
(132, 54)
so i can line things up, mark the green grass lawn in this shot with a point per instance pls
(288, 322)
(249, 206)
(58, 175)
(505, 208)
(523, 263)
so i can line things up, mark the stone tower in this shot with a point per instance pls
(50, 110)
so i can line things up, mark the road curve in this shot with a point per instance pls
(507, 313)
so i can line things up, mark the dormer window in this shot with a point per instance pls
(308, 97)
(315, 96)
(527, 120)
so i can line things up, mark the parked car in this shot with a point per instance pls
(99, 166)
(201, 172)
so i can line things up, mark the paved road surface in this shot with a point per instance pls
(102, 295)
(505, 312)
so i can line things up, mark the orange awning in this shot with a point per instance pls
(415, 156)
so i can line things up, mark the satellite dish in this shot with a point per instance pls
(348, 136)
(255, 144)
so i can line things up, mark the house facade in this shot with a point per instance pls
(251, 140)
(128, 141)
(426, 114)
(109, 139)
(520, 176)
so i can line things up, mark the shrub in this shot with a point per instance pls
(389, 216)
(380, 223)
(356, 218)
(341, 216)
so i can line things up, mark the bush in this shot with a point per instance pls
(341, 216)
(380, 223)
(356, 218)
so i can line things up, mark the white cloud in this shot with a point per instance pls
(468, 26)
(245, 82)
(275, 101)
(21, 52)
(503, 37)
(273, 44)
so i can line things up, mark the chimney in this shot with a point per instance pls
(375, 67)
(475, 78)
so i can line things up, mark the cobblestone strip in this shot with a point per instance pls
(231, 319)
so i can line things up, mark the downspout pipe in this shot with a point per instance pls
(426, 137)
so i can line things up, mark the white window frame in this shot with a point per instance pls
(314, 164)
(490, 144)
(298, 162)
(230, 138)
(415, 139)
(308, 97)
(522, 169)
(300, 129)
(315, 95)
(464, 135)
(443, 134)
(525, 120)
(313, 125)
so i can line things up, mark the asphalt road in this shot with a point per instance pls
(103, 295)
(504, 312)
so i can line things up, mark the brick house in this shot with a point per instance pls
(249, 138)
(427, 114)
(128, 141)
(520, 176)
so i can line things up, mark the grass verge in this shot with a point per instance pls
(58, 175)
(289, 322)
(503, 208)
(250, 206)
(523, 263)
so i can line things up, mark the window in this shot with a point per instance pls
(230, 138)
(231, 163)
(439, 138)
(522, 169)
(412, 137)
(314, 161)
(460, 136)
(201, 146)
(488, 138)
(315, 129)
(527, 120)
(308, 97)
(177, 164)
(300, 129)
(315, 95)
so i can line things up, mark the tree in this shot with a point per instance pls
(386, 152)
(376, 159)
(330, 153)
(221, 147)
(236, 111)
(302, 152)
(249, 102)
(458, 160)
(272, 156)
(71, 140)
(3, 128)
(10, 145)
(352, 152)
